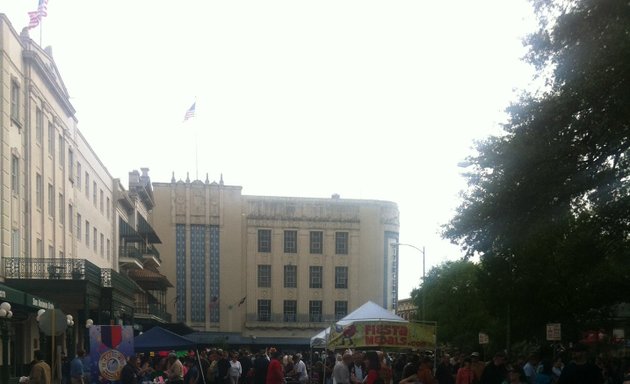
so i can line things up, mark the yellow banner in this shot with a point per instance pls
(383, 335)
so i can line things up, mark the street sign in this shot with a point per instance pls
(554, 332)
(483, 338)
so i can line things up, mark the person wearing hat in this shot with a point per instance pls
(175, 370)
(580, 370)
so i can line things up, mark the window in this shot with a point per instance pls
(341, 243)
(102, 201)
(108, 248)
(290, 241)
(87, 233)
(62, 151)
(87, 185)
(70, 219)
(39, 125)
(290, 311)
(61, 254)
(40, 248)
(315, 276)
(107, 207)
(51, 252)
(15, 174)
(51, 138)
(15, 101)
(51, 200)
(341, 277)
(79, 176)
(290, 276)
(317, 242)
(78, 226)
(315, 311)
(264, 240)
(102, 245)
(94, 192)
(62, 209)
(264, 310)
(39, 191)
(15, 242)
(71, 165)
(341, 310)
(95, 239)
(264, 276)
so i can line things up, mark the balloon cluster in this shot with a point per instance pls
(69, 320)
(5, 310)
(40, 313)
(89, 323)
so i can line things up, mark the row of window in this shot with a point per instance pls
(316, 276)
(290, 242)
(290, 313)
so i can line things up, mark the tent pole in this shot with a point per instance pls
(203, 377)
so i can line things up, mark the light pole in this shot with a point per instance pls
(421, 250)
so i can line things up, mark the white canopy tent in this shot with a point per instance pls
(369, 311)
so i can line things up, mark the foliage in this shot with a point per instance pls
(454, 301)
(548, 205)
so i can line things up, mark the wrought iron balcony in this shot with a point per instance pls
(152, 310)
(50, 269)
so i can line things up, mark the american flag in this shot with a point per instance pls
(42, 8)
(190, 113)
(35, 17)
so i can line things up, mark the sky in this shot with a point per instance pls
(366, 99)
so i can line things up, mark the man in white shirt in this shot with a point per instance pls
(341, 370)
(300, 368)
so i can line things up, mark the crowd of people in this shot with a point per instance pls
(271, 366)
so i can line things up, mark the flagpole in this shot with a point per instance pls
(196, 154)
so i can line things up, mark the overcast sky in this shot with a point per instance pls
(367, 99)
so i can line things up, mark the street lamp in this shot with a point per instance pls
(5, 315)
(421, 250)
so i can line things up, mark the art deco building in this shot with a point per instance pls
(263, 269)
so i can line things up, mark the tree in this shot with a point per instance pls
(548, 205)
(454, 301)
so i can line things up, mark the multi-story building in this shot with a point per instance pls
(63, 216)
(256, 268)
(407, 309)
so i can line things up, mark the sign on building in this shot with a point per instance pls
(554, 332)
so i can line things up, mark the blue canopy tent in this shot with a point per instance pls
(160, 339)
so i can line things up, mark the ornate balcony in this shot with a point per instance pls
(50, 269)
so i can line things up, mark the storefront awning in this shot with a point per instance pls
(15, 296)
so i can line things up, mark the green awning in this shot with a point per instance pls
(11, 295)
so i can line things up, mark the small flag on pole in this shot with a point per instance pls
(42, 7)
(242, 301)
(190, 113)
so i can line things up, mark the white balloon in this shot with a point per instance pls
(40, 312)
(3, 312)
(10, 314)
(6, 306)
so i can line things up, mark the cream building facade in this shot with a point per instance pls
(63, 217)
(256, 268)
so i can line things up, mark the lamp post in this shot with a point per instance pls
(421, 250)
(5, 315)
(70, 336)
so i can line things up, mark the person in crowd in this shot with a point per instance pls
(174, 370)
(544, 374)
(412, 366)
(235, 370)
(40, 370)
(223, 366)
(329, 364)
(130, 372)
(444, 370)
(580, 370)
(76, 368)
(465, 374)
(557, 368)
(87, 367)
(300, 369)
(531, 368)
(496, 371)
(247, 365)
(515, 375)
(192, 375)
(341, 370)
(373, 366)
(275, 371)
(213, 369)
(477, 365)
(386, 371)
(357, 368)
(261, 364)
